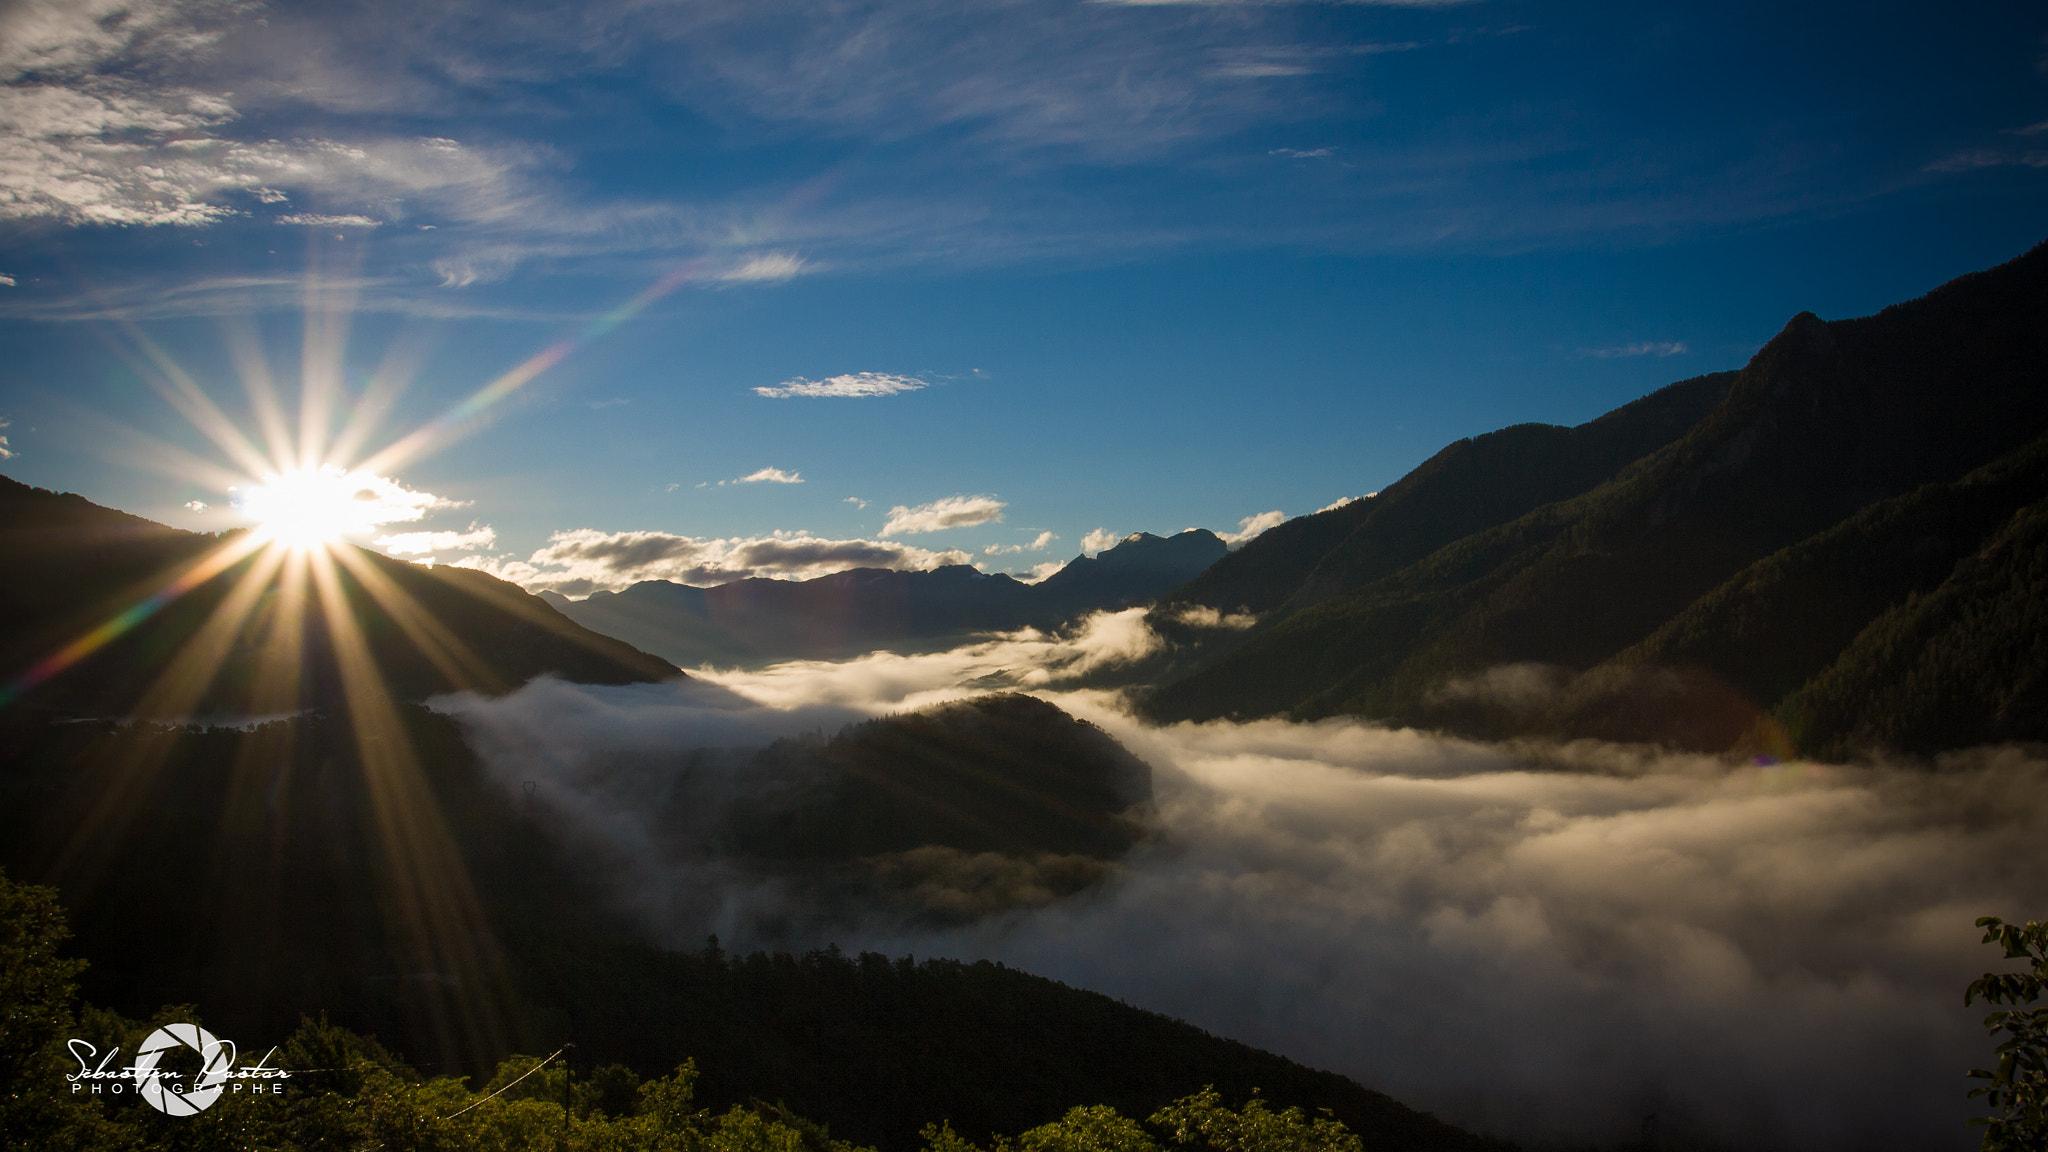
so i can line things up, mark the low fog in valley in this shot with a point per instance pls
(1550, 943)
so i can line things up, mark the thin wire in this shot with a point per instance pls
(502, 1091)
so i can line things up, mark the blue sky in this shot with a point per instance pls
(1095, 265)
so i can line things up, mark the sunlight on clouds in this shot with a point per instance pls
(6, 453)
(423, 543)
(851, 384)
(1251, 526)
(1545, 942)
(939, 515)
(585, 560)
(770, 476)
(1098, 540)
(321, 505)
(1038, 544)
(315, 220)
(767, 268)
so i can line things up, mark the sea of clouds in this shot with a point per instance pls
(1553, 944)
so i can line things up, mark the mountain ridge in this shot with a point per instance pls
(1829, 418)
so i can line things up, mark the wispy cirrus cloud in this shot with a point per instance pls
(939, 515)
(1658, 348)
(320, 220)
(766, 268)
(851, 384)
(585, 560)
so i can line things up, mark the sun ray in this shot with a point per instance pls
(252, 368)
(181, 392)
(191, 576)
(455, 421)
(439, 920)
(434, 640)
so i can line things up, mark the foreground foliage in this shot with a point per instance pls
(2018, 1088)
(348, 1092)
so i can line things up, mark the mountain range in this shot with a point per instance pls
(1838, 547)
(757, 621)
(104, 613)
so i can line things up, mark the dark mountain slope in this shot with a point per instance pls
(1707, 677)
(1825, 420)
(1469, 486)
(752, 622)
(1964, 664)
(76, 568)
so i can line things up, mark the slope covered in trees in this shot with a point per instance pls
(1490, 631)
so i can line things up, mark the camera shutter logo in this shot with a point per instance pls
(217, 1057)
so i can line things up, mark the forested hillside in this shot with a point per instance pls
(1693, 595)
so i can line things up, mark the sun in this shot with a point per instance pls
(313, 507)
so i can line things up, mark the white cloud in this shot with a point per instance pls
(423, 543)
(850, 384)
(1202, 616)
(582, 561)
(197, 505)
(1251, 526)
(1341, 501)
(856, 501)
(770, 476)
(6, 453)
(1037, 545)
(1041, 571)
(1645, 348)
(332, 501)
(1545, 943)
(939, 515)
(6, 281)
(316, 220)
(1099, 539)
(766, 268)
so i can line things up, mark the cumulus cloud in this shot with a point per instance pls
(770, 476)
(6, 453)
(1646, 348)
(1251, 526)
(6, 281)
(1549, 943)
(1099, 539)
(1038, 544)
(856, 501)
(939, 515)
(1340, 502)
(585, 560)
(850, 384)
(766, 268)
(427, 543)
(197, 505)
